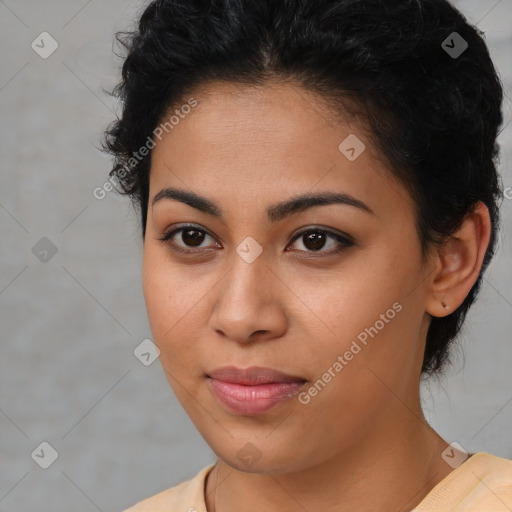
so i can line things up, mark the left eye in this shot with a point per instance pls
(313, 239)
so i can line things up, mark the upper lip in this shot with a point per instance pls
(252, 376)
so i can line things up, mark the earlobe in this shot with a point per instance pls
(459, 261)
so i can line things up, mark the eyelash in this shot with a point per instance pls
(344, 241)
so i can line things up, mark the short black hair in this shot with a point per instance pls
(432, 104)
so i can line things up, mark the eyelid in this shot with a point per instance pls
(328, 231)
(344, 242)
(167, 235)
(343, 239)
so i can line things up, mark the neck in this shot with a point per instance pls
(392, 469)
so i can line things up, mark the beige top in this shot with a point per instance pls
(483, 483)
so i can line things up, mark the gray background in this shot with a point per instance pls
(69, 326)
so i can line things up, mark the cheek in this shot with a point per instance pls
(175, 299)
(166, 297)
(347, 301)
(369, 315)
(167, 304)
(157, 294)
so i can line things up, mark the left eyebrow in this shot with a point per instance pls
(275, 212)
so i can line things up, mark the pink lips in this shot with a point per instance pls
(252, 390)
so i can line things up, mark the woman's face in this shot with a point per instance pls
(245, 287)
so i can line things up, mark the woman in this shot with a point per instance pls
(318, 199)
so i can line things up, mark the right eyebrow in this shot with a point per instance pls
(275, 212)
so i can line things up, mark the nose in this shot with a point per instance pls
(249, 304)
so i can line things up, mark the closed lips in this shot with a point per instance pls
(253, 390)
(252, 376)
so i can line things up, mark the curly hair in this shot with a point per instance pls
(434, 115)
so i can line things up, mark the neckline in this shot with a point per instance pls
(430, 498)
(426, 501)
(207, 470)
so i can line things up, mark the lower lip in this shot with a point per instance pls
(253, 399)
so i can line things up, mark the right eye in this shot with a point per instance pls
(191, 236)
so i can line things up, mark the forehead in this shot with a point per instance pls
(264, 141)
(285, 110)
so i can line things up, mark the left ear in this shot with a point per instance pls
(458, 263)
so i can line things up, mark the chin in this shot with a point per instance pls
(263, 460)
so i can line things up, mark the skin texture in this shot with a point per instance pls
(362, 442)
